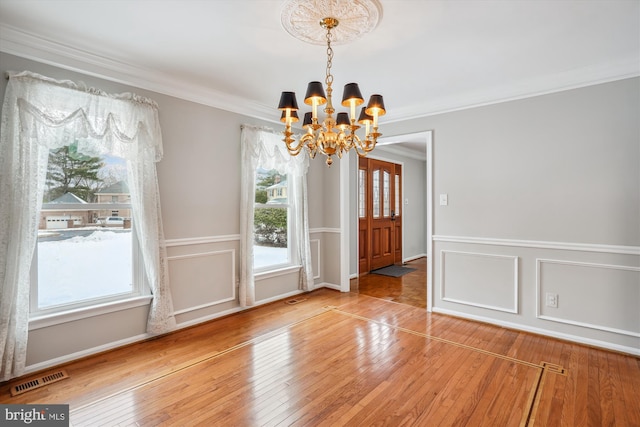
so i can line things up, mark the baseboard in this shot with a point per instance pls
(280, 297)
(414, 257)
(567, 337)
(84, 353)
(328, 286)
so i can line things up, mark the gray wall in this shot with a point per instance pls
(544, 197)
(199, 179)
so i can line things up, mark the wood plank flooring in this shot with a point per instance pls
(410, 288)
(348, 359)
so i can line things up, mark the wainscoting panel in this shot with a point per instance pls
(315, 257)
(597, 296)
(481, 280)
(206, 279)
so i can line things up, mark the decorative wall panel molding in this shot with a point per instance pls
(635, 350)
(324, 230)
(581, 247)
(480, 280)
(202, 240)
(596, 296)
(315, 260)
(206, 279)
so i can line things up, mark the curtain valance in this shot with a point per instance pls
(58, 113)
(264, 147)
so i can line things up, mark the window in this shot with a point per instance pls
(272, 220)
(85, 248)
(273, 183)
(41, 114)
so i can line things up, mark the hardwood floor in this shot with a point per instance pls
(408, 289)
(348, 359)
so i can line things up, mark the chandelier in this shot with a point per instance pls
(332, 136)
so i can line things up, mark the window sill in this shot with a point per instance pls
(39, 322)
(263, 275)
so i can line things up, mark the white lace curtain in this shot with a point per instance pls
(263, 147)
(40, 114)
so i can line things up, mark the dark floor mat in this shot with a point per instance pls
(393, 271)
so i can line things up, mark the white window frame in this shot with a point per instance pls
(139, 294)
(291, 244)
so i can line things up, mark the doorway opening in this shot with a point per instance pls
(416, 221)
(379, 214)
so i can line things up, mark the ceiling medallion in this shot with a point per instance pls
(300, 18)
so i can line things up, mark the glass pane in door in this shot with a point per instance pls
(398, 195)
(362, 193)
(386, 190)
(376, 193)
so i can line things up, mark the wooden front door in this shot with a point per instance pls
(379, 214)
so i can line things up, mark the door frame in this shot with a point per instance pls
(348, 195)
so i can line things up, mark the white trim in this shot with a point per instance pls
(202, 240)
(45, 321)
(558, 82)
(316, 276)
(201, 254)
(37, 48)
(276, 273)
(28, 45)
(329, 286)
(278, 297)
(516, 287)
(414, 257)
(233, 279)
(324, 230)
(428, 136)
(85, 353)
(354, 276)
(539, 315)
(345, 192)
(583, 247)
(539, 331)
(429, 238)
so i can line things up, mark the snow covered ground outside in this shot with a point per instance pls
(267, 255)
(82, 268)
(100, 264)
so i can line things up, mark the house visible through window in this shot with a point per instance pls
(271, 220)
(85, 250)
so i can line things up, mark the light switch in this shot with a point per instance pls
(444, 199)
(406, 201)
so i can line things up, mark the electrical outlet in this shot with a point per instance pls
(552, 300)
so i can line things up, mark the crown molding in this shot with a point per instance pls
(543, 85)
(30, 46)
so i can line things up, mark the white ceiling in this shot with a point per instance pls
(425, 57)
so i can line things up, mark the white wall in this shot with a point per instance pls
(199, 180)
(544, 196)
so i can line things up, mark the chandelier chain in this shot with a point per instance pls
(329, 79)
